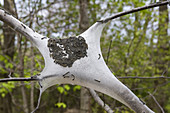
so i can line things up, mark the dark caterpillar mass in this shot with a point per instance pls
(66, 51)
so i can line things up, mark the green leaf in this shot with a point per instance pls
(3, 95)
(67, 87)
(77, 87)
(61, 104)
(60, 89)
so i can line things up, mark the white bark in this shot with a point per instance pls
(100, 102)
(90, 71)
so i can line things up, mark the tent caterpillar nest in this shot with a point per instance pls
(66, 51)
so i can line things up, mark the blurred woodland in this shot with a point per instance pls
(136, 47)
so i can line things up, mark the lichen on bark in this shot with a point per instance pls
(66, 51)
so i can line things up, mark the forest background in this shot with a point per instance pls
(136, 47)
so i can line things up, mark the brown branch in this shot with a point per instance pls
(134, 10)
(40, 9)
(137, 77)
(157, 102)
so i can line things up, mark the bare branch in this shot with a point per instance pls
(100, 102)
(134, 10)
(157, 102)
(19, 79)
(41, 8)
(137, 77)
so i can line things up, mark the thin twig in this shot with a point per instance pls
(134, 10)
(107, 61)
(41, 8)
(137, 77)
(151, 87)
(156, 102)
(100, 102)
(108, 52)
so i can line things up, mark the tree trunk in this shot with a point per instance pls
(21, 73)
(9, 34)
(83, 25)
(32, 85)
(163, 42)
(162, 52)
(8, 50)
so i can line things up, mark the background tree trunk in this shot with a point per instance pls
(83, 25)
(21, 73)
(9, 34)
(8, 50)
(163, 49)
(32, 84)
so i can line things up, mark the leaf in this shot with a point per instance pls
(61, 104)
(3, 95)
(60, 89)
(77, 87)
(67, 87)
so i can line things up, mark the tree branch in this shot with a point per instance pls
(20, 27)
(37, 79)
(156, 102)
(134, 10)
(137, 77)
(19, 79)
(100, 102)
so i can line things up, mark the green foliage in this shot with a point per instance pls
(6, 87)
(6, 64)
(63, 89)
(67, 87)
(76, 87)
(60, 89)
(61, 104)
